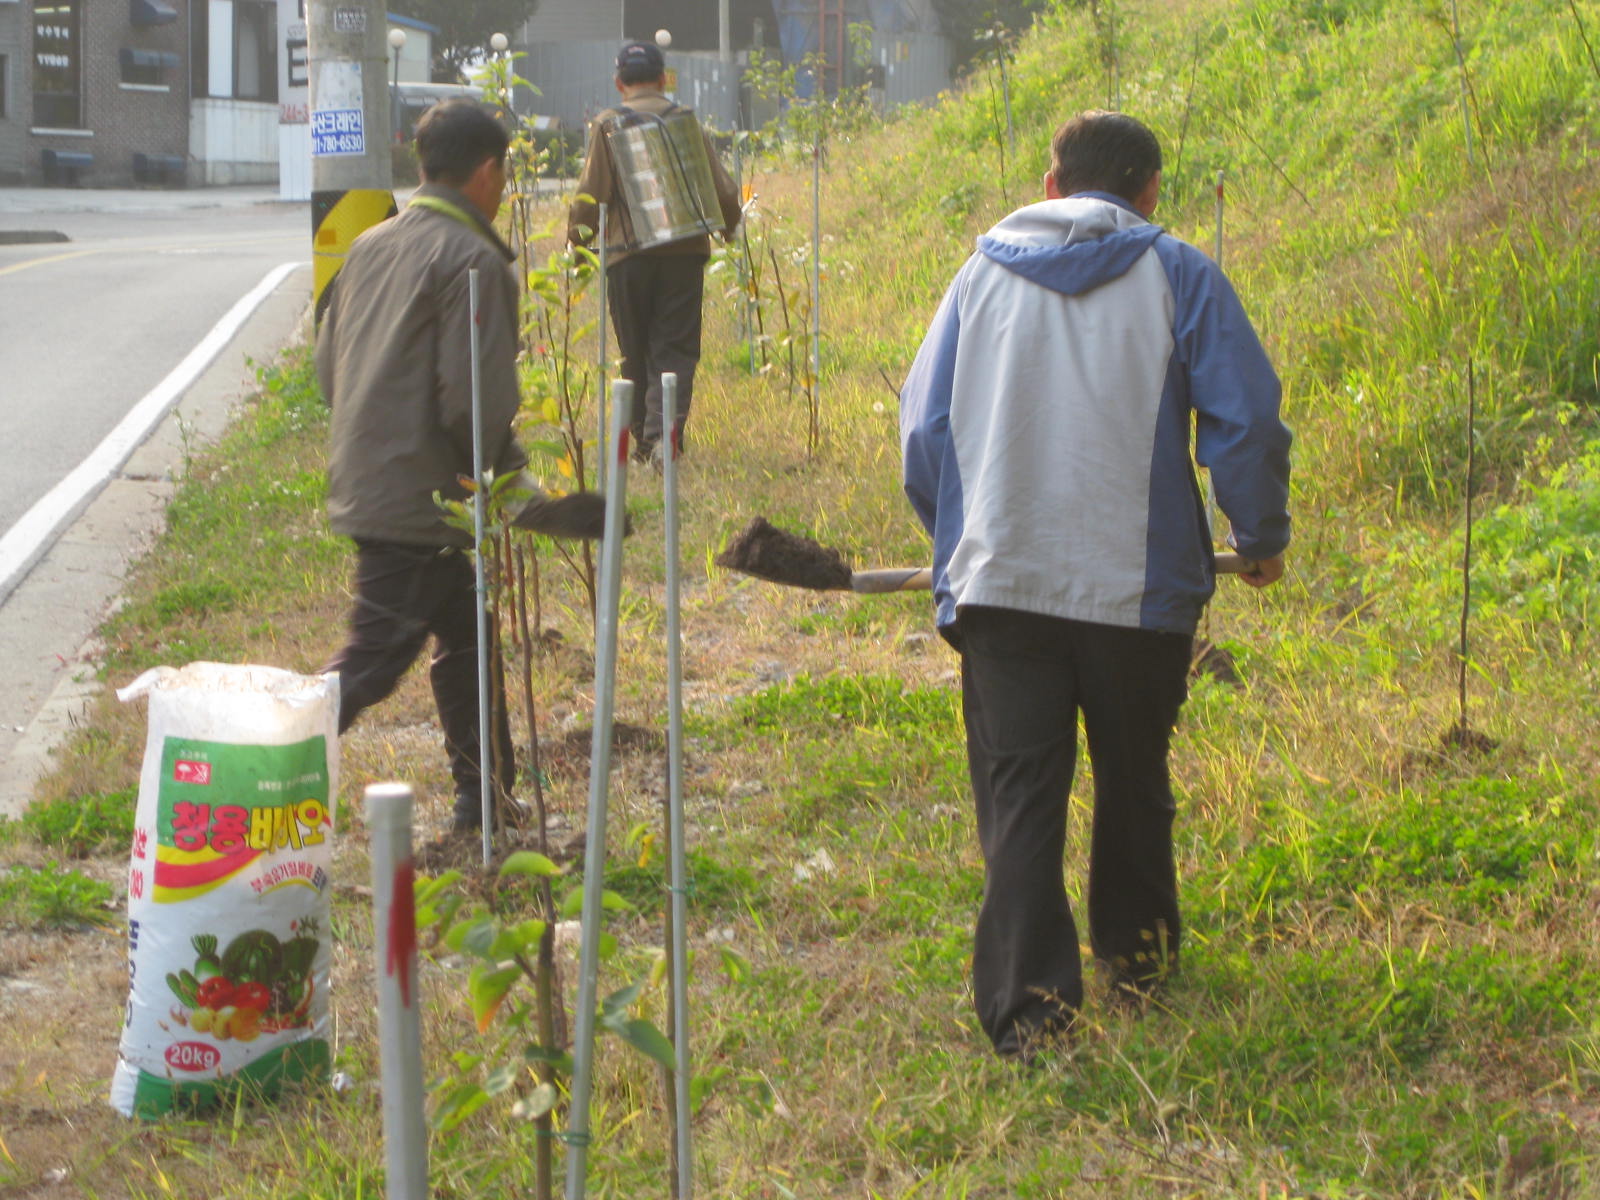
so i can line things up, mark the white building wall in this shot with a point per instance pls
(234, 141)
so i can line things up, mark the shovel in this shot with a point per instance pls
(767, 552)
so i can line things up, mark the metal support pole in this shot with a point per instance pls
(1005, 92)
(1219, 218)
(744, 259)
(816, 261)
(605, 672)
(485, 766)
(1461, 63)
(1213, 514)
(677, 866)
(600, 364)
(394, 936)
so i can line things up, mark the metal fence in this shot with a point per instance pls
(916, 67)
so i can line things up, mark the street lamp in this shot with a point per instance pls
(498, 43)
(397, 39)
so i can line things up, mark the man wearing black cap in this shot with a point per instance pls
(656, 292)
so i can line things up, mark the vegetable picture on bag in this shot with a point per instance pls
(259, 984)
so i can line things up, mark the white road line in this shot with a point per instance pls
(26, 542)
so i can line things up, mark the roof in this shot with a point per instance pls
(411, 23)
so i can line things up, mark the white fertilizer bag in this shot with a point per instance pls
(228, 946)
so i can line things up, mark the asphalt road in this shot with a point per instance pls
(89, 326)
(91, 329)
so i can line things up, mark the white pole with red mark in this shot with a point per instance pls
(600, 367)
(405, 1133)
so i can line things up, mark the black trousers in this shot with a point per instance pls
(1025, 678)
(655, 306)
(404, 594)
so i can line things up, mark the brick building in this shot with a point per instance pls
(94, 91)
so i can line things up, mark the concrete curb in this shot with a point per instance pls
(30, 237)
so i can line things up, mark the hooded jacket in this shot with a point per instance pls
(394, 357)
(1045, 422)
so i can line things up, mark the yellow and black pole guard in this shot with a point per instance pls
(337, 219)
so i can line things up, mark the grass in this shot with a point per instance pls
(52, 896)
(1389, 980)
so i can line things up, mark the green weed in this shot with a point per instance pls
(78, 826)
(53, 897)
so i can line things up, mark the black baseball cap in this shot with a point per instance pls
(640, 60)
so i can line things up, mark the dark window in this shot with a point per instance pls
(255, 50)
(57, 64)
(199, 48)
(146, 66)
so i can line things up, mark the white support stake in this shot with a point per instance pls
(394, 935)
(677, 867)
(600, 365)
(605, 673)
(816, 264)
(485, 766)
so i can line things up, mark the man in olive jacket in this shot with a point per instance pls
(394, 360)
(655, 293)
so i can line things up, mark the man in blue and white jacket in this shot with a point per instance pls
(1045, 426)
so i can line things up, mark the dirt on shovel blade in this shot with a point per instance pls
(763, 550)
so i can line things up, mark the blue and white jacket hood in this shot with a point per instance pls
(1046, 422)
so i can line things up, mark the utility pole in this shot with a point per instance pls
(352, 176)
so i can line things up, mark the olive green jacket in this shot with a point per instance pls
(599, 184)
(394, 360)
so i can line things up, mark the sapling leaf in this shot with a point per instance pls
(645, 1038)
(462, 1101)
(525, 936)
(536, 1103)
(553, 1055)
(476, 936)
(427, 888)
(489, 987)
(528, 862)
(501, 1078)
(621, 1000)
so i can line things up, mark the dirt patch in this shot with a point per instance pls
(1214, 661)
(59, 988)
(568, 756)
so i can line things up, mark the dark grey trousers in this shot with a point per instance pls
(1025, 679)
(404, 594)
(655, 306)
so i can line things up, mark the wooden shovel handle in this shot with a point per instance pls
(892, 579)
(920, 579)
